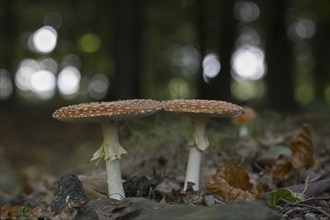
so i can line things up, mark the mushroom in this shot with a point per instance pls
(243, 121)
(109, 114)
(199, 111)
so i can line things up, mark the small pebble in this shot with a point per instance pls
(209, 200)
(311, 216)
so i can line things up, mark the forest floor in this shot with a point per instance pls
(40, 155)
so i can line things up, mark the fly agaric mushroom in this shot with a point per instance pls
(199, 111)
(109, 114)
(243, 120)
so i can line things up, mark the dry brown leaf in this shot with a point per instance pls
(41, 211)
(232, 183)
(31, 176)
(8, 211)
(302, 149)
(95, 185)
(282, 171)
(302, 156)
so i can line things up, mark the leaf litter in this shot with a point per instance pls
(273, 163)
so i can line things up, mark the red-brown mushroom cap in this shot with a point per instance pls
(107, 111)
(249, 115)
(205, 108)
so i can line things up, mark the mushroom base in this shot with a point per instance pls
(115, 185)
(193, 168)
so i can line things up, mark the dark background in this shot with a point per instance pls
(273, 56)
(155, 49)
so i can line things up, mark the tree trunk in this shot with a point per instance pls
(279, 59)
(8, 37)
(218, 87)
(322, 54)
(127, 30)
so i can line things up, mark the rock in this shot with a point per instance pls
(229, 211)
(108, 209)
(68, 191)
(209, 200)
(311, 216)
(138, 208)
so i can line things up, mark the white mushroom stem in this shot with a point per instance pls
(195, 153)
(115, 185)
(193, 168)
(200, 137)
(243, 131)
(111, 152)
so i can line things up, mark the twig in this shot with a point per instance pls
(306, 185)
(314, 198)
(311, 207)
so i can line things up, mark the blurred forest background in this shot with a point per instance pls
(268, 54)
(271, 54)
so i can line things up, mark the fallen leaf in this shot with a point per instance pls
(8, 211)
(282, 171)
(232, 183)
(108, 209)
(302, 156)
(95, 184)
(274, 198)
(41, 211)
(302, 149)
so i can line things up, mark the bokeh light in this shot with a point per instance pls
(89, 43)
(27, 68)
(98, 86)
(43, 84)
(304, 56)
(53, 19)
(246, 11)
(68, 81)
(301, 29)
(248, 36)
(71, 60)
(185, 61)
(302, 51)
(211, 66)
(304, 93)
(48, 64)
(6, 85)
(247, 90)
(179, 88)
(305, 28)
(248, 63)
(84, 86)
(44, 40)
(30, 77)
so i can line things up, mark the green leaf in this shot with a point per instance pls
(23, 209)
(283, 194)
